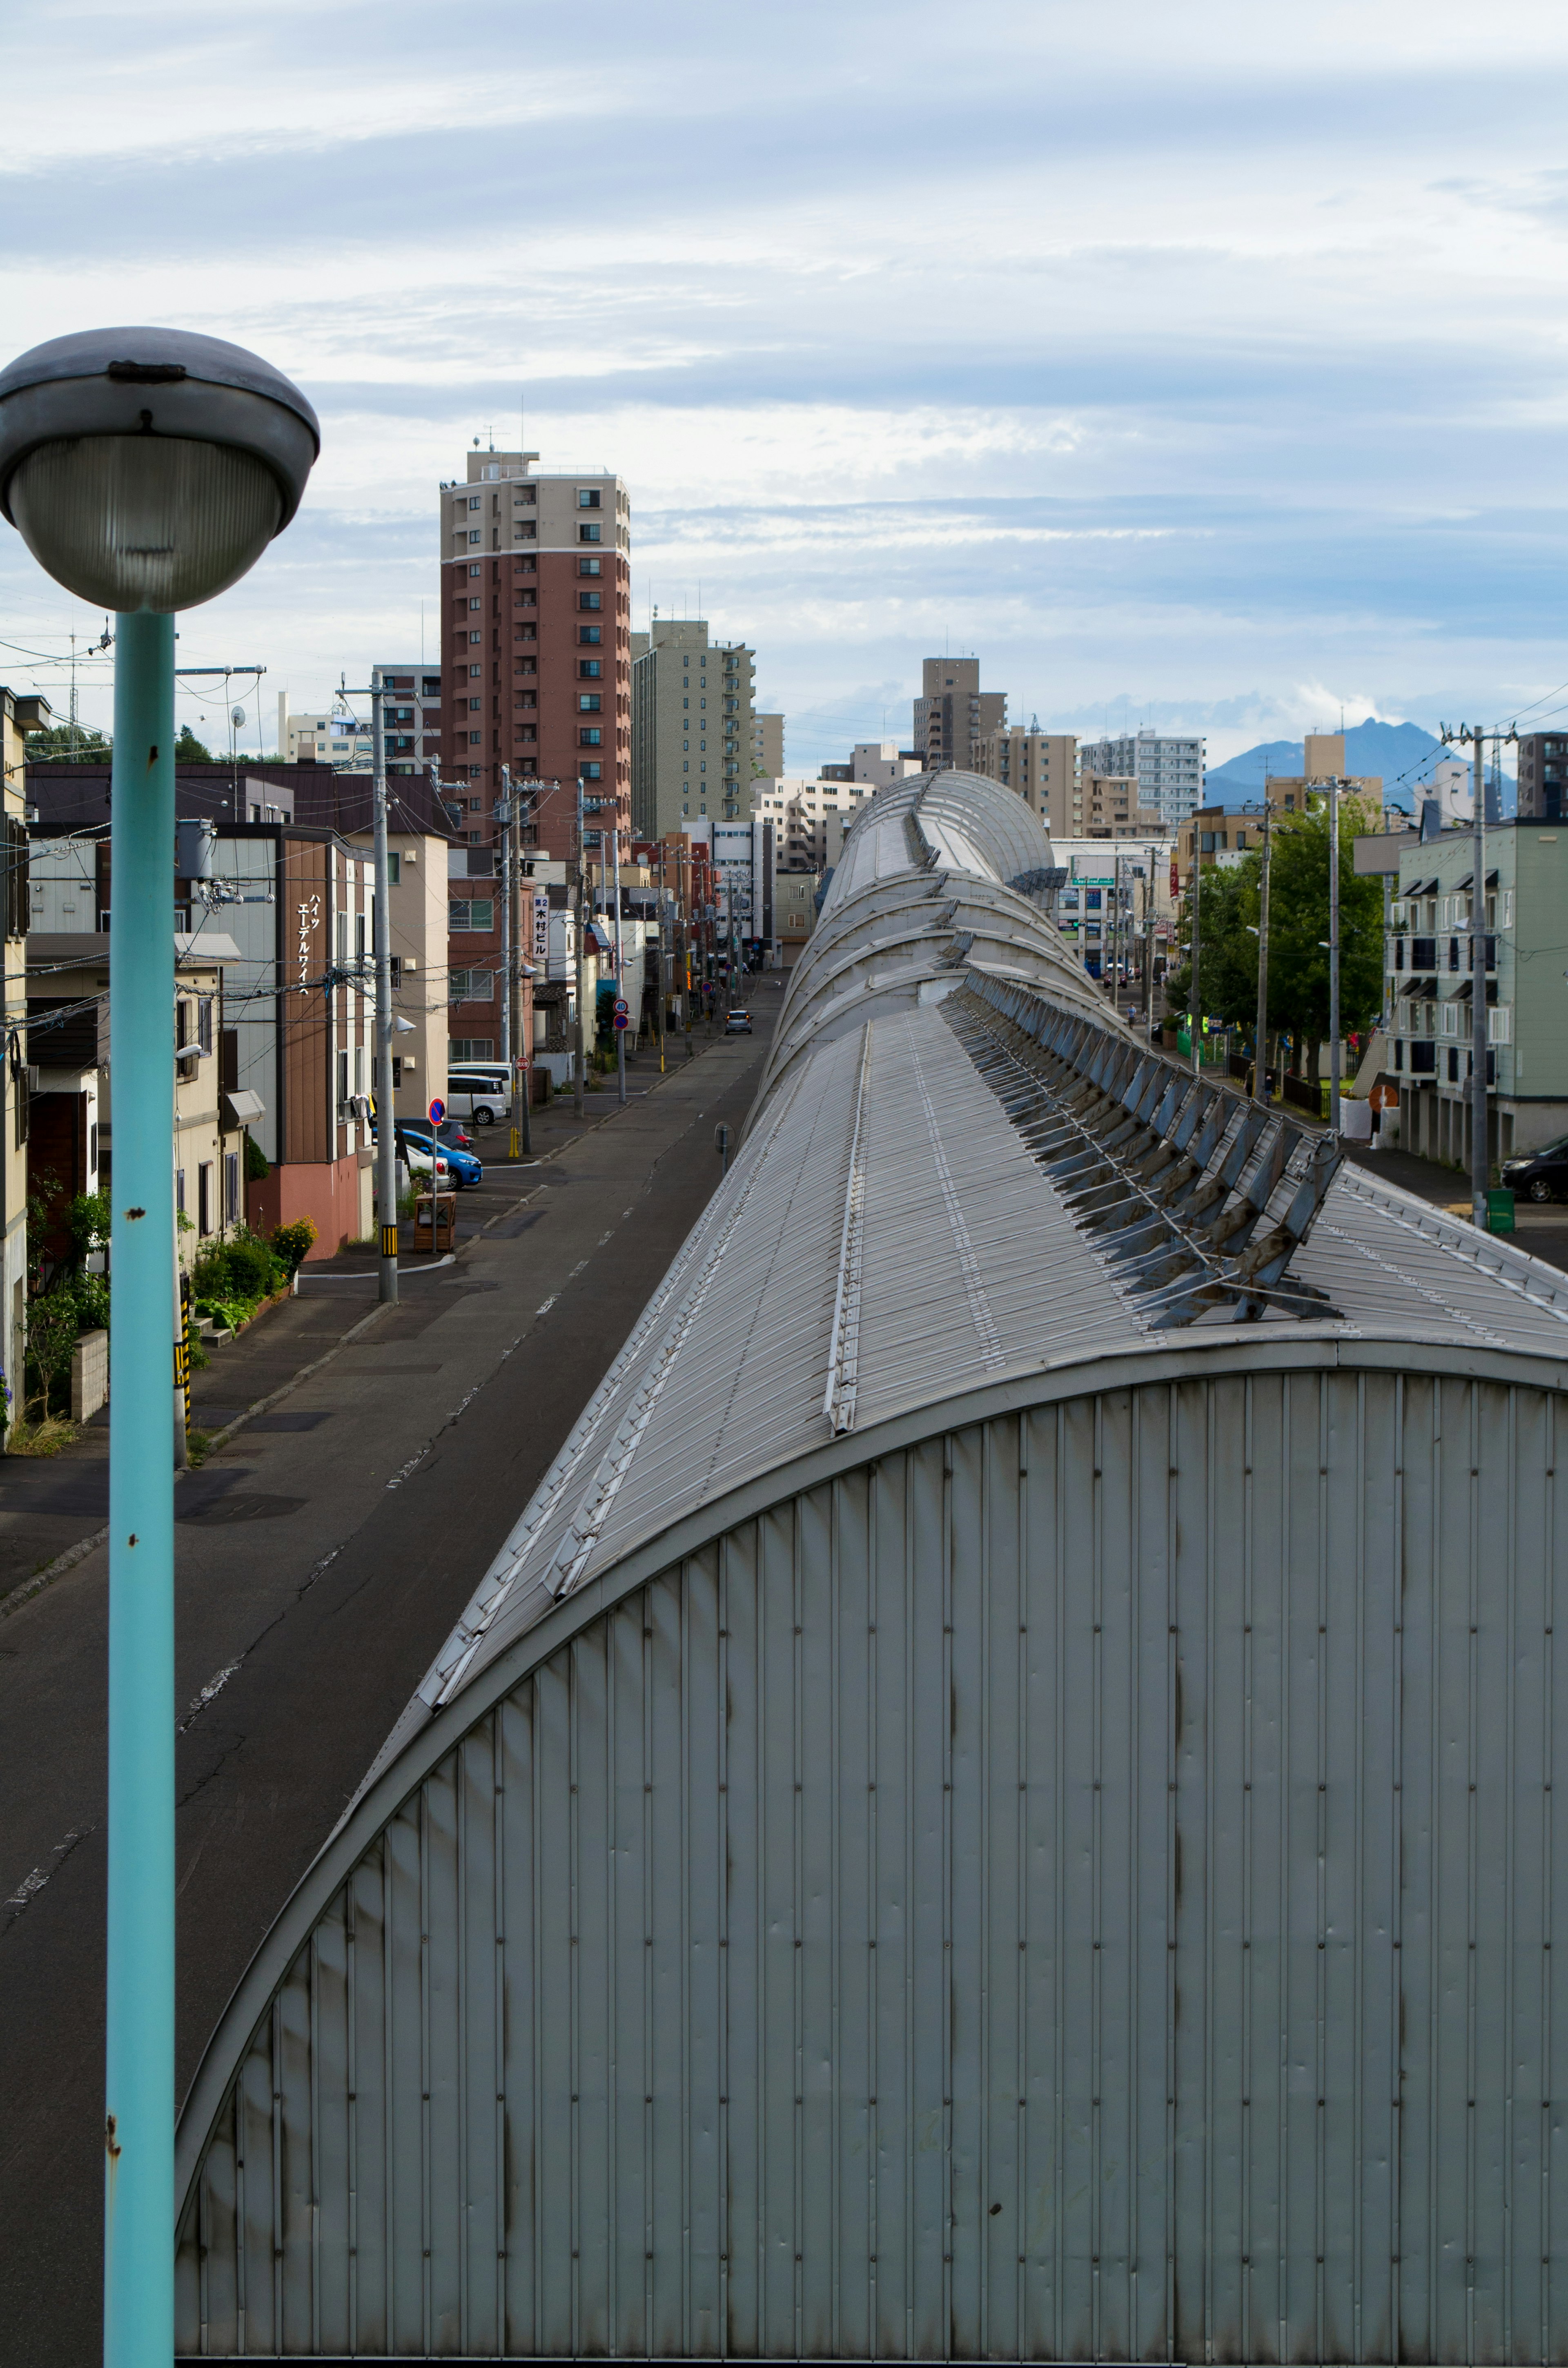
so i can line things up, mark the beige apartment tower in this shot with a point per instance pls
(952, 714)
(1043, 767)
(692, 726)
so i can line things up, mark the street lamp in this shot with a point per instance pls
(146, 471)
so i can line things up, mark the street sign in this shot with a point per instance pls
(620, 1003)
(437, 1111)
(623, 1018)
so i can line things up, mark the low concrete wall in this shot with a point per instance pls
(89, 1375)
(331, 1194)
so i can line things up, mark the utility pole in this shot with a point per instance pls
(1335, 1048)
(1195, 1021)
(578, 1054)
(1260, 1092)
(1480, 1164)
(619, 969)
(386, 1113)
(504, 816)
(660, 1003)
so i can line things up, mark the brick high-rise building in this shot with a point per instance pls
(535, 625)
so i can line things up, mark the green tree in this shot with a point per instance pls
(67, 744)
(1298, 930)
(189, 750)
(1227, 954)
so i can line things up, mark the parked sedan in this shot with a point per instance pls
(1539, 1175)
(463, 1166)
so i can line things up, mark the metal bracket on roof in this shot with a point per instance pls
(1196, 1195)
(843, 1351)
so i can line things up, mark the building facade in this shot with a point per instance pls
(1167, 768)
(536, 623)
(872, 763)
(953, 715)
(810, 818)
(1543, 772)
(1043, 767)
(1430, 985)
(692, 728)
(766, 747)
(19, 715)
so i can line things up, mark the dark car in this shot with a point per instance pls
(453, 1133)
(1539, 1175)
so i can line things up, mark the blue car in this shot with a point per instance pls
(463, 1166)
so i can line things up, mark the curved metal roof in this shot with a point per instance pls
(959, 1171)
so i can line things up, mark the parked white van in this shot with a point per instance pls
(479, 1093)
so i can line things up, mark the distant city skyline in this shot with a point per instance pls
(1121, 355)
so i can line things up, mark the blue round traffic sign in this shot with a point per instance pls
(622, 1019)
(437, 1111)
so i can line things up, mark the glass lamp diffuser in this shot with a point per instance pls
(144, 522)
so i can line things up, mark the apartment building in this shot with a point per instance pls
(536, 623)
(328, 737)
(766, 747)
(20, 713)
(536, 664)
(1543, 772)
(1111, 805)
(809, 819)
(1323, 761)
(1167, 768)
(1435, 924)
(952, 714)
(1043, 767)
(873, 763)
(693, 727)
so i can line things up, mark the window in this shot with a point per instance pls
(474, 606)
(204, 1024)
(592, 772)
(590, 600)
(475, 674)
(470, 915)
(473, 501)
(473, 534)
(474, 640)
(592, 533)
(587, 498)
(590, 738)
(231, 1187)
(590, 636)
(204, 1198)
(589, 702)
(394, 868)
(474, 569)
(471, 987)
(1500, 1023)
(469, 1048)
(589, 669)
(474, 706)
(430, 686)
(590, 566)
(342, 1081)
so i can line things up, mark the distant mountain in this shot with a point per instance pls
(1401, 753)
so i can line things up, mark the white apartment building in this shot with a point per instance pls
(692, 728)
(874, 762)
(767, 746)
(809, 817)
(1169, 769)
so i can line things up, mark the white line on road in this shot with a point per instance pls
(28, 1890)
(545, 1307)
(213, 1687)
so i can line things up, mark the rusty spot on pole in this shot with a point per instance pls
(132, 1215)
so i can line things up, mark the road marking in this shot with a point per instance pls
(213, 1687)
(604, 1238)
(28, 1890)
(548, 1304)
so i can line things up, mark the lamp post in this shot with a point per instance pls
(146, 471)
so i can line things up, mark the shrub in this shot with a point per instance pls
(255, 1162)
(51, 1335)
(91, 1295)
(247, 1263)
(292, 1242)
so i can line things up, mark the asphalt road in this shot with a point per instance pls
(322, 1557)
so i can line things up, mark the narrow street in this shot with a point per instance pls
(321, 1556)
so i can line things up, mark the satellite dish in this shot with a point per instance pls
(237, 718)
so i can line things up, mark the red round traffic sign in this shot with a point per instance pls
(437, 1111)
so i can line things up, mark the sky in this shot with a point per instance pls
(1203, 368)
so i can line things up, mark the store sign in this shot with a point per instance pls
(541, 927)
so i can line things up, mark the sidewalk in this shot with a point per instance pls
(52, 1510)
(1542, 1232)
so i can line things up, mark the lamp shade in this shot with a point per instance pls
(148, 468)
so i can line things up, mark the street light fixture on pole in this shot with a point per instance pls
(147, 470)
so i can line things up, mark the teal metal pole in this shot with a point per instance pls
(139, 2237)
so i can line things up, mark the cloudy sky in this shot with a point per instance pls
(1200, 366)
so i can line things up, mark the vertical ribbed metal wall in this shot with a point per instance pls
(1081, 1887)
